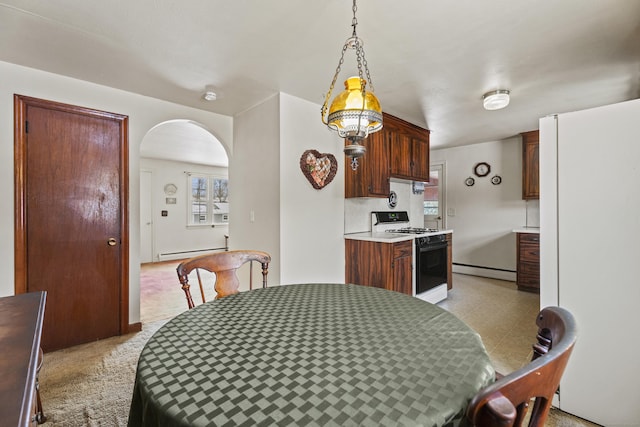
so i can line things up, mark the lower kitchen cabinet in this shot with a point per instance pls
(381, 265)
(528, 269)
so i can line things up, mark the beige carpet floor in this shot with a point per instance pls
(91, 384)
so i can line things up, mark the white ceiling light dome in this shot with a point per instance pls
(496, 99)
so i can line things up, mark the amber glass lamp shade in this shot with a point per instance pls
(347, 115)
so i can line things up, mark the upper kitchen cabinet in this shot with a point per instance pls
(530, 165)
(371, 179)
(399, 150)
(409, 149)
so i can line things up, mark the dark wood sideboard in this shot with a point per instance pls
(21, 319)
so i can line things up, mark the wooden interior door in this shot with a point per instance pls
(71, 218)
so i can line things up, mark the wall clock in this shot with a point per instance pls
(393, 200)
(496, 180)
(469, 182)
(170, 189)
(482, 169)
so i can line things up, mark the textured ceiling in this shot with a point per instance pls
(430, 61)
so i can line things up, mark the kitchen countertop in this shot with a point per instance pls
(535, 230)
(385, 237)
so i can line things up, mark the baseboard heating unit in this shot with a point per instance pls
(168, 256)
(490, 272)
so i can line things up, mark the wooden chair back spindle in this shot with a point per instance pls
(224, 265)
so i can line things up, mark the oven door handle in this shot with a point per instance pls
(433, 246)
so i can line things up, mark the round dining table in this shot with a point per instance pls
(310, 355)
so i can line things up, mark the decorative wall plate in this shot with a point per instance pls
(319, 168)
(170, 189)
(496, 179)
(469, 182)
(482, 169)
(392, 202)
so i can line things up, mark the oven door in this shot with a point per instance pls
(431, 266)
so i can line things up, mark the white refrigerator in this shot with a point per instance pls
(590, 254)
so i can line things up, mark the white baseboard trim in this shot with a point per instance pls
(485, 272)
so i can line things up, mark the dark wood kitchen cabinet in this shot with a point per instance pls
(409, 149)
(371, 178)
(399, 150)
(530, 165)
(528, 268)
(381, 265)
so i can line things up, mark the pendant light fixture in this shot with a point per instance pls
(355, 112)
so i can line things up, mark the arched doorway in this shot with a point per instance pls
(169, 152)
(172, 155)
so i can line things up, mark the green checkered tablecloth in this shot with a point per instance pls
(310, 355)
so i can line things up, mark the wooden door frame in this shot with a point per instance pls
(20, 104)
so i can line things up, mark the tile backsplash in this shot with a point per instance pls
(357, 211)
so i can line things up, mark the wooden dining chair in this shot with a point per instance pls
(506, 401)
(224, 265)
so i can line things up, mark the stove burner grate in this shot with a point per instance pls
(412, 230)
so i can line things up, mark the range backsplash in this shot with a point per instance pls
(357, 211)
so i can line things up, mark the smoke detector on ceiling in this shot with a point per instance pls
(210, 95)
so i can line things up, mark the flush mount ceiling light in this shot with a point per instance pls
(496, 99)
(355, 112)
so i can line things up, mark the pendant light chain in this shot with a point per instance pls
(355, 43)
(323, 111)
(359, 56)
(352, 121)
(359, 49)
(354, 20)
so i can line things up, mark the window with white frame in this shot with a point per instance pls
(208, 199)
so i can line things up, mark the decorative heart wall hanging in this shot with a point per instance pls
(319, 168)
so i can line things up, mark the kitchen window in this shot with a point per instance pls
(434, 200)
(208, 199)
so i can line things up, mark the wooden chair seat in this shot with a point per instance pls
(506, 402)
(225, 266)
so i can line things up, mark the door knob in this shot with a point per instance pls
(112, 241)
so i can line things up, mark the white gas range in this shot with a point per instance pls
(430, 251)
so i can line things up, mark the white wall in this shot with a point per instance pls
(256, 208)
(485, 214)
(311, 221)
(301, 227)
(144, 113)
(171, 233)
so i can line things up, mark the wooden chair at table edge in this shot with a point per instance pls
(505, 402)
(224, 265)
